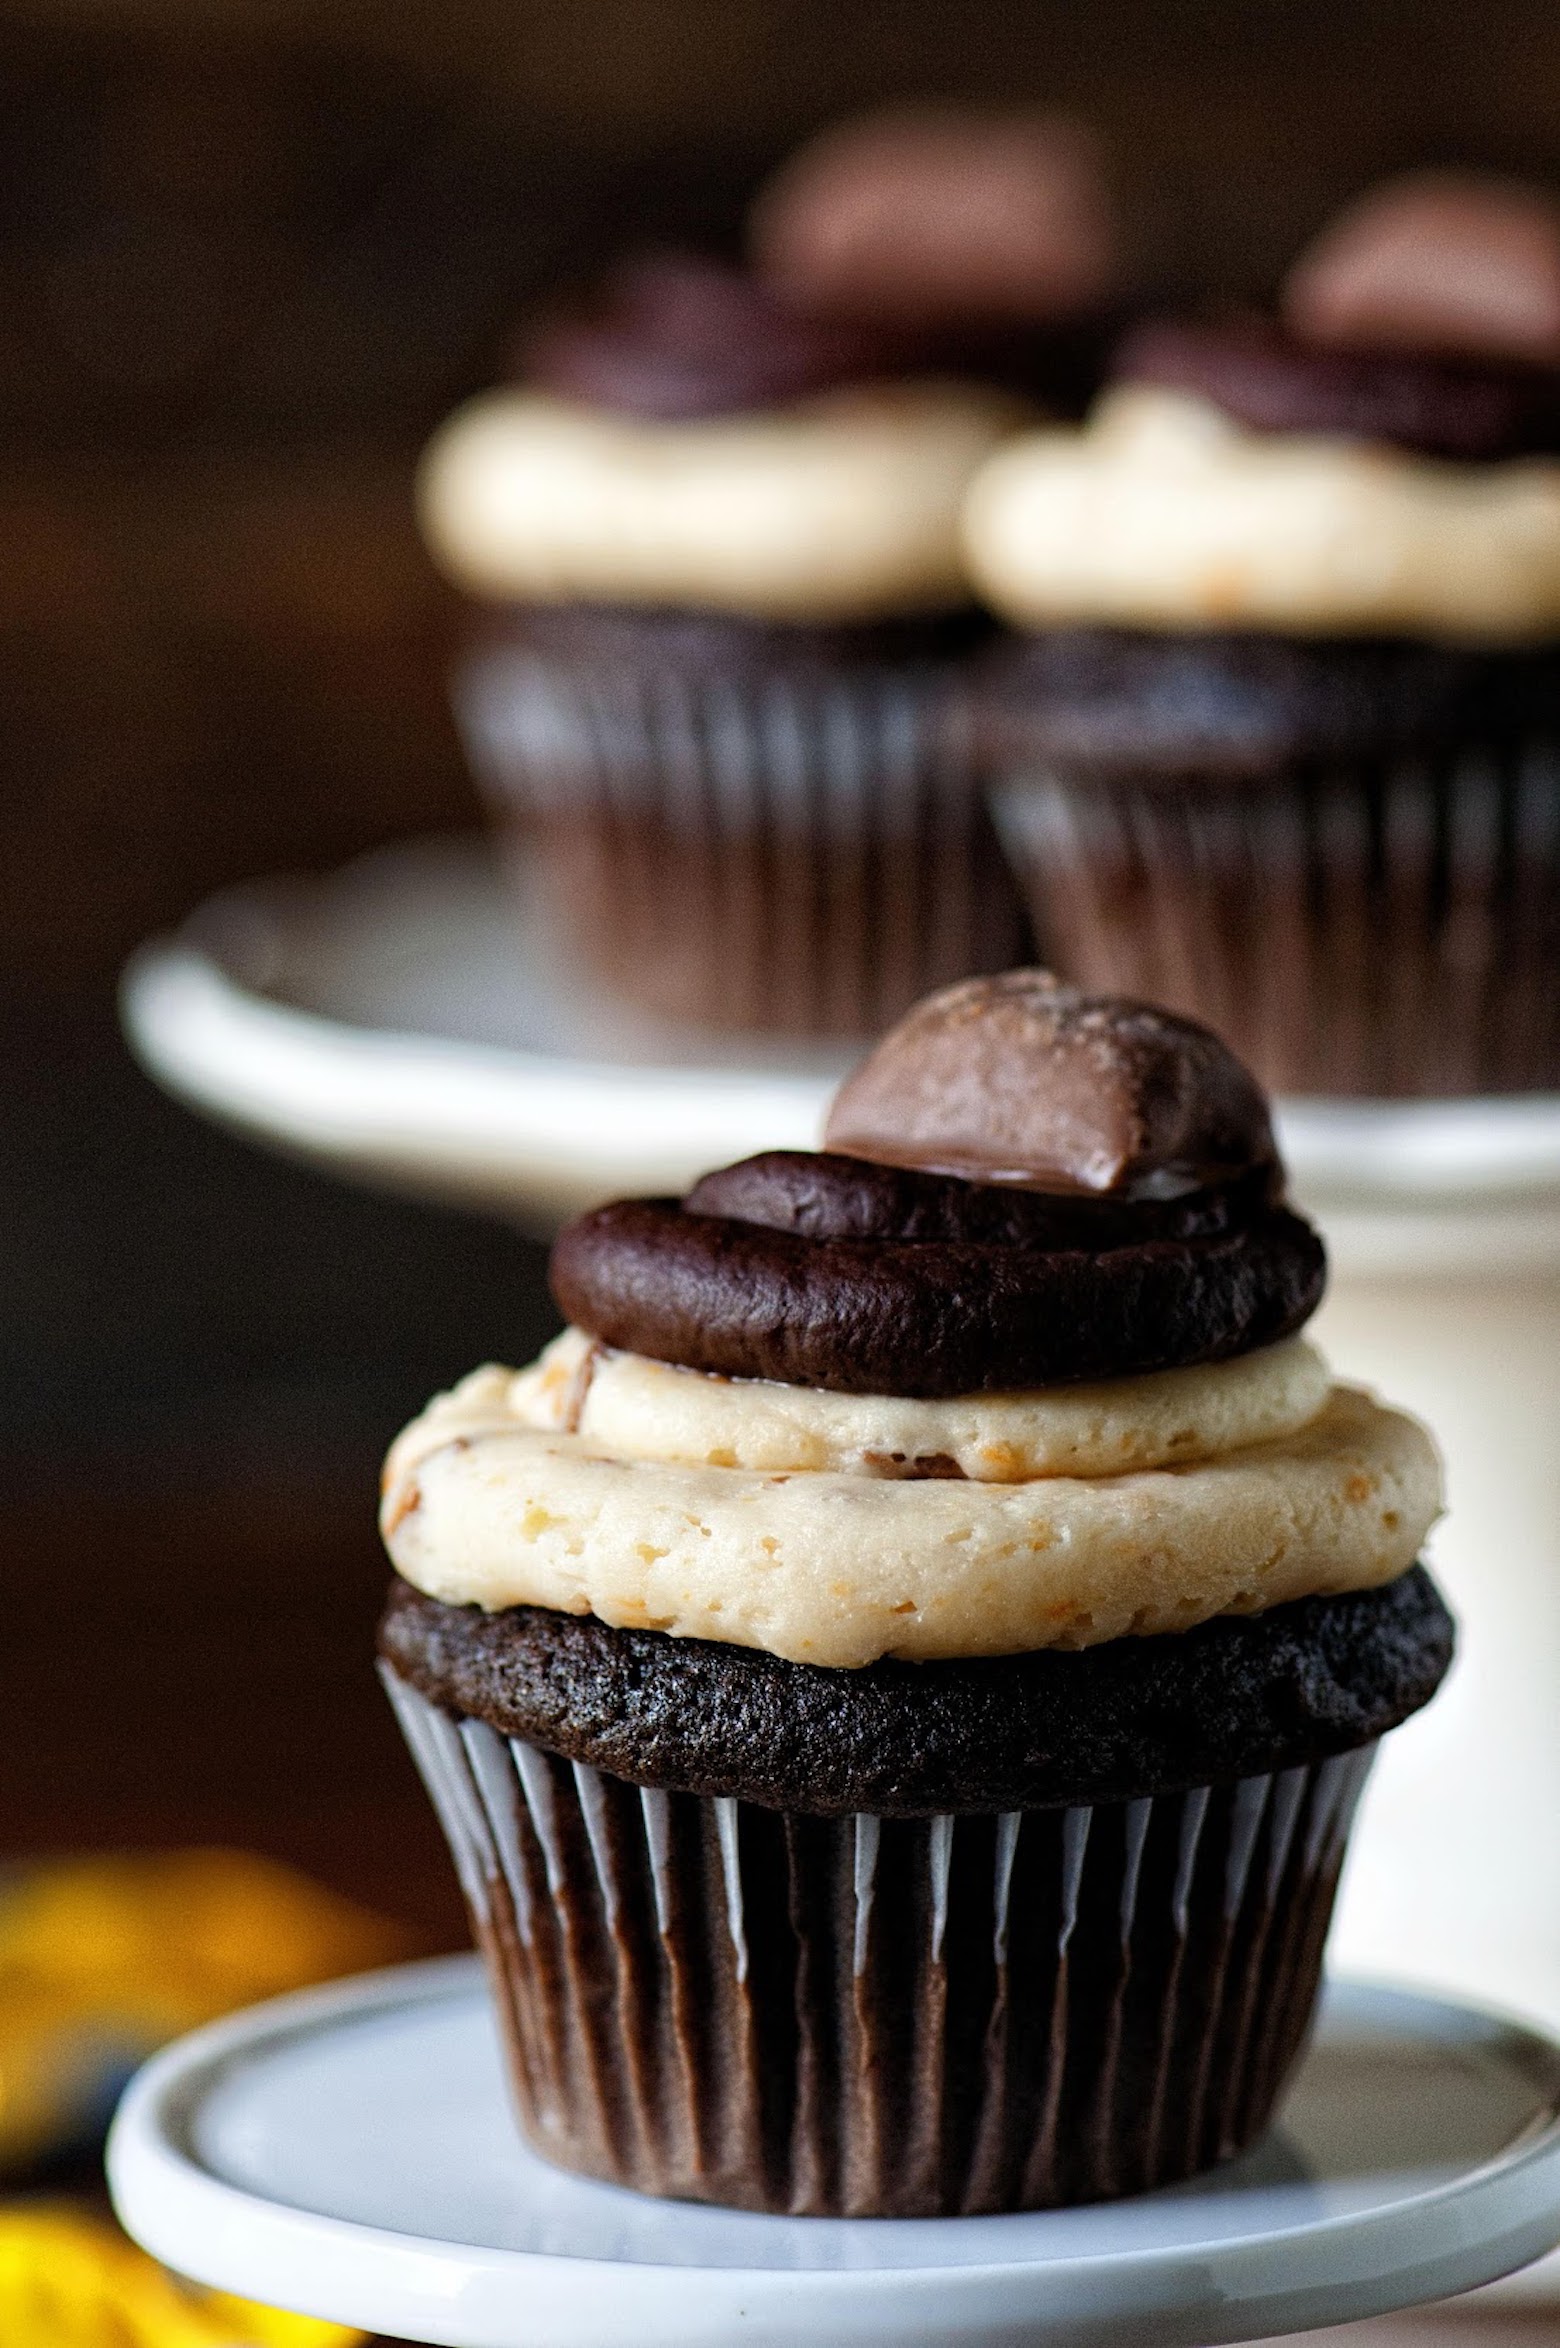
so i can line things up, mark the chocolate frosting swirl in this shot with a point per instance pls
(1026, 1186)
(1438, 404)
(827, 1271)
(679, 336)
(829, 1194)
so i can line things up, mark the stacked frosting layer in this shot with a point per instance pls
(837, 1409)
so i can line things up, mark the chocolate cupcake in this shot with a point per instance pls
(1279, 743)
(897, 1673)
(714, 693)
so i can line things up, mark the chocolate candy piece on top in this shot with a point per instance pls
(928, 214)
(1022, 1079)
(1435, 261)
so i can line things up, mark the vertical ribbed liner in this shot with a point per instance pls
(881, 2016)
(802, 849)
(1377, 928)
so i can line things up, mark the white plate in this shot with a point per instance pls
(410, 1019)
(349, 2152)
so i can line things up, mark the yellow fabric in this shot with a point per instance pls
(70, 2280)
(102, 1959)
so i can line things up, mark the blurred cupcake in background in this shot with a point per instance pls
(1279, 739)
(712, 695)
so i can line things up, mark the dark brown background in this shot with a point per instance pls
(249, 253)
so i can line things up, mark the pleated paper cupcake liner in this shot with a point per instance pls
(795, 851)
(1382, 928)
(867, 2016)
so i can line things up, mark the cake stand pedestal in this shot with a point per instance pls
(350, 2153)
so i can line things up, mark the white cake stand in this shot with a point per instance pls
(350, 2153)
(411, 1019)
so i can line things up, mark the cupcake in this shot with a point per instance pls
(1277, 738)
(897, 1673)
(714, 698)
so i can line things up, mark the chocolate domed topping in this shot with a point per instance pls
(1021, 1079)
(1469, 410)
(678, 336)
(1436, 261)
(935, 1317)
(930, 214)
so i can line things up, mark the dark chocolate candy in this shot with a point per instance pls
(1028, 1187)
(1234, 1698)
(1442, 406)
(927, 1317)
(679, 336)
(1018, 1078)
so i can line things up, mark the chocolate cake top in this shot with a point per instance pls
(1233, 1698)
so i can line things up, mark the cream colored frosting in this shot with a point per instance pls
(842, 507)
(1163, 513)
(484, 1505)
(632, 1408)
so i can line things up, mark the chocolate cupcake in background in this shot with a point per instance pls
(714, 694)
(896, 1674)
(1278, 739)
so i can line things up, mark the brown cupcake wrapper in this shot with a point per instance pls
(1389, 928)
(804, 850)
(865, 2016)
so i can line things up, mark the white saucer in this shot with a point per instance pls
(349, 2152)
(410, 1019)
